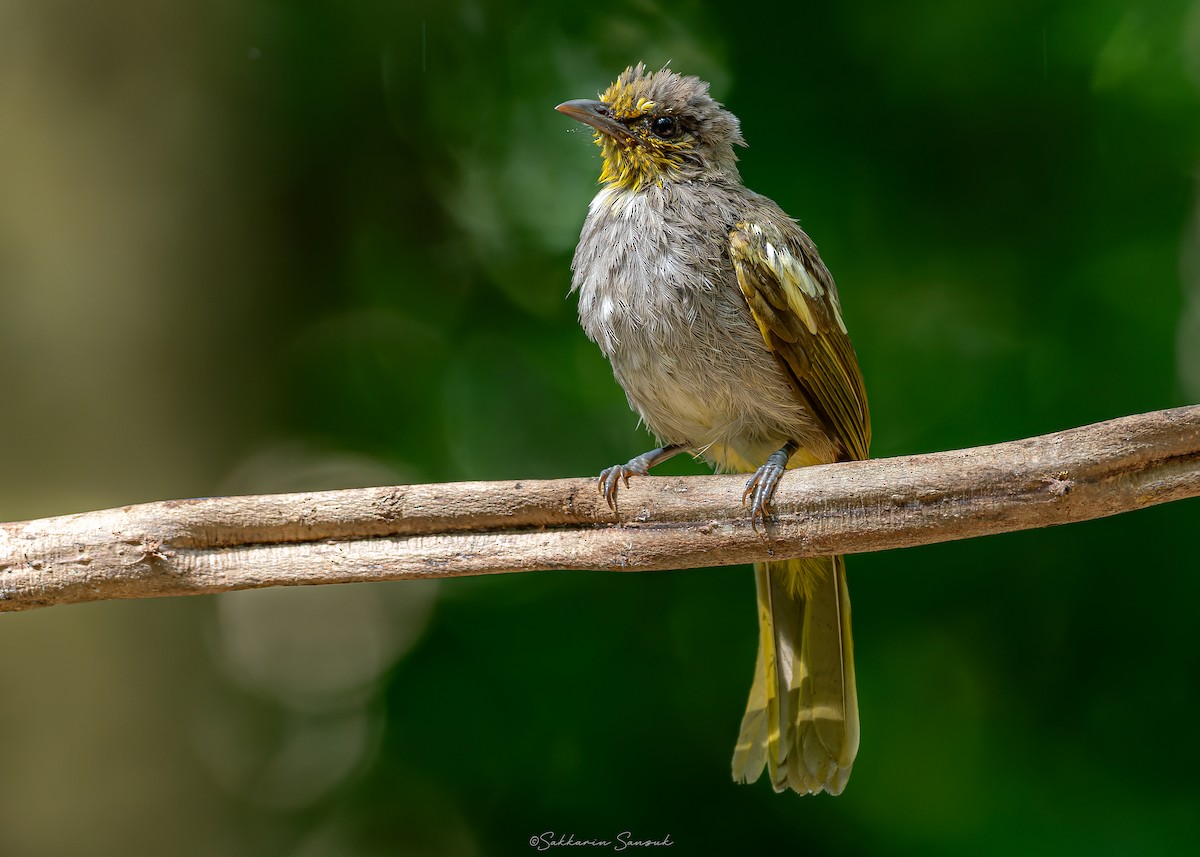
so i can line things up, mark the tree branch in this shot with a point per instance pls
(186, 547)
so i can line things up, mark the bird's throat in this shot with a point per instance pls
(635, 166)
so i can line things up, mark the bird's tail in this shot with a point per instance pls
(802, 718)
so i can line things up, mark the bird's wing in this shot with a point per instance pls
(795, 304)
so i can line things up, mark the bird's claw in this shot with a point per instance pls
(612, 477)
(760, 488)
(759, 491)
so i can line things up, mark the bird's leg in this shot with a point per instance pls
(611, 477)
(761, 486)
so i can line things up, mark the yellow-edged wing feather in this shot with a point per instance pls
(795, 304)
(801, 722)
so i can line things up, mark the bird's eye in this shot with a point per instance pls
(664, 126)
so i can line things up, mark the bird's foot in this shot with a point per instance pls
(760, 489)
(612, 477)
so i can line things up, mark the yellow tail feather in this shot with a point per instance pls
(801, 722)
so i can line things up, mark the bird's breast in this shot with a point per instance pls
(658, 294)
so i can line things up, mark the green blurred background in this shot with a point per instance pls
(268, 246)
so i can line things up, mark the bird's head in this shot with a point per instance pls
(660, 127)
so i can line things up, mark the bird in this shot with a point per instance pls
(725, 329)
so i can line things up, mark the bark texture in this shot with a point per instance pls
(187, 547)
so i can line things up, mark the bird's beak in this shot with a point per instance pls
(598, 115)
